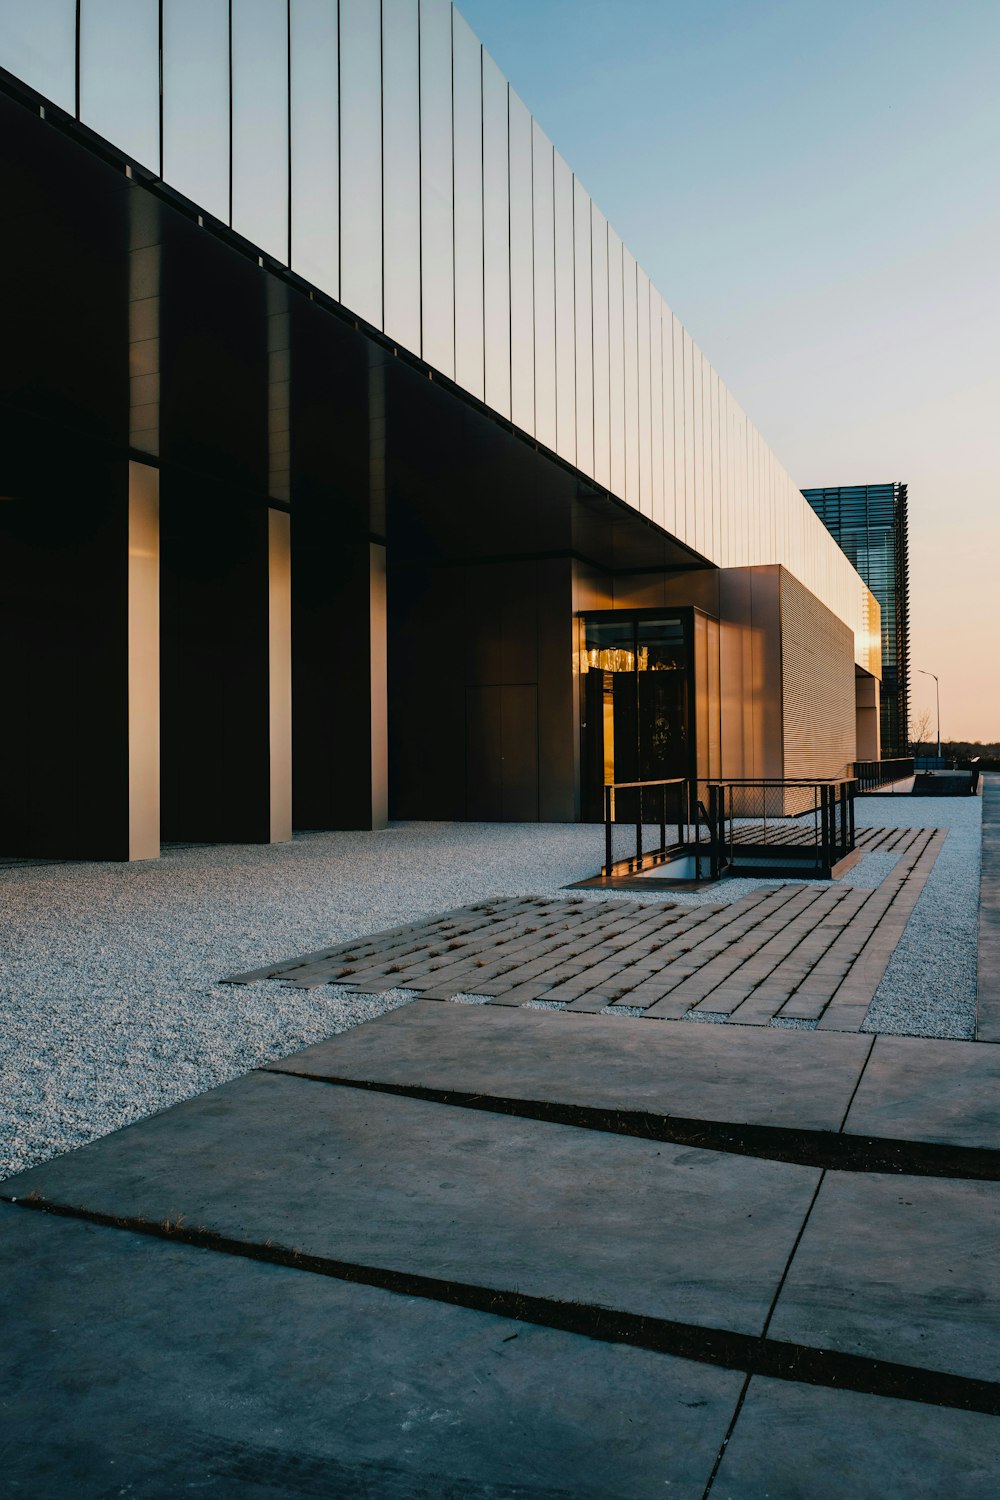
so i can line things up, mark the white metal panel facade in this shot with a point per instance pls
(376, 149)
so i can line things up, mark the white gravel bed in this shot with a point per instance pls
(110, 1000)
(929, 987)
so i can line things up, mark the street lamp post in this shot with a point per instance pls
(937, 689)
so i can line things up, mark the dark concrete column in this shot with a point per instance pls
(225, 665)
(339, 739)
(79, 617)
(339, 652)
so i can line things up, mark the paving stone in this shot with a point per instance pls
(901, 1269)
(133, 1366)
(803, 1442)
(917, 1089)
(784, 1078)
(456, 1194)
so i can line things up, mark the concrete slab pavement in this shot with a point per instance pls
(134, 1367)
(403, 1185)
(804, 1442)
(901, 1269)
(794, 1079)
(268, 1266)
(919, 1089)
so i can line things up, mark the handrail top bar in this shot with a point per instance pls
(777, 781)
(620, 786)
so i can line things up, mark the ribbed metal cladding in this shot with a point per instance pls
(817, 679)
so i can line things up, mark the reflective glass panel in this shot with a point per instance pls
(616, 361)
(609, 646)
(725, 453)
(437, 186)
(522, 328)
(361, 159)
(602, 357)
(196, 102)
(315, 248)
(584, 352)
(644, 435)
(120, 75)
(544, 259)
(565, 311)
(260, 124)
(496, 238)
(401, 170)
(687, 400)
(698, 456)
(636, 692)
(38, 45)
(468, 104)
(716, 452)
(669, 431)
(656, 405)
(631, 366)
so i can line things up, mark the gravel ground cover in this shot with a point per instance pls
(110, 998)
(929, 987)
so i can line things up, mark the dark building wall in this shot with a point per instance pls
(214, 662)
(64, 666)
(481, 719)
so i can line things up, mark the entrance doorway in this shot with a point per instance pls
(637, 702)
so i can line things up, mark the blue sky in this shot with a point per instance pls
(815, 189)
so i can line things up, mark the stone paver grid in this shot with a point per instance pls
(798, 952)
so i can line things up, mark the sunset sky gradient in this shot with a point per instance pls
(815, 189)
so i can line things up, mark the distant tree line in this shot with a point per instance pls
(986, 754)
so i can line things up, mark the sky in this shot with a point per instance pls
(814, 187)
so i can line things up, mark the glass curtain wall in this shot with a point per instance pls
(637, 715)
(869, 524)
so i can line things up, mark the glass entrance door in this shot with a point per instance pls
(636, 704)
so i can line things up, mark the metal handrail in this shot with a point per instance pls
(872, 774)
(832, 810)
(683, 819)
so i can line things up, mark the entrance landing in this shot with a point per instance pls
(804, 954)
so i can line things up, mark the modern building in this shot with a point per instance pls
(869, 523)
(351, 466)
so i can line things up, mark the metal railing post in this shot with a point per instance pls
(609, 815)
(663, 817)
(714, 831)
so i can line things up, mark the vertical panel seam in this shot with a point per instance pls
(230, 219)
(288, 89)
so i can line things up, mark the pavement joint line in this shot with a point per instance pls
(827, 1150)
(802, 1364)
(857, 1084)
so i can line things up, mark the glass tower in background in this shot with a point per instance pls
(868, 521)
